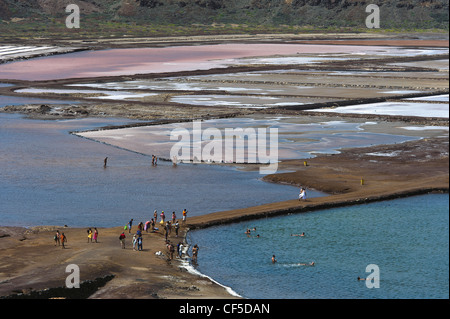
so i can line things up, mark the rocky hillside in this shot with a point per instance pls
(315, 13)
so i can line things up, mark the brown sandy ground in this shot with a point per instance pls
(31, 263)
(132, 111)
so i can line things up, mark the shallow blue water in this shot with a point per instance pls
(49, 177)
(6, 100)
(408, 239)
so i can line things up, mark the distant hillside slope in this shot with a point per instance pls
(315, 13)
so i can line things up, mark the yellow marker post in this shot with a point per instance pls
(362, 181)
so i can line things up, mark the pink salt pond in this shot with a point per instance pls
(117, 62)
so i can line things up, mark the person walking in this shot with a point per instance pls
(139, 243)
(57, 238)
(134, 242)
(195, 253)
(95, 236)
(89, 232)
(122, 240)
(177, 227)
(180, 249)
(171, 249)
(167, 228)
(130, 224)
(174, 217)
(63, 240)
(302, 195)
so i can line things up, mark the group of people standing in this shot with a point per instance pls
(137, 241)
(151, 224)
(60, 239)
(92, 235)
(163, 216)
(168, 226)
(137, 237)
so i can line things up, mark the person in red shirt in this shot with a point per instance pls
(122, 240)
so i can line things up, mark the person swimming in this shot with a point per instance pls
(298, 235)
(312, 263)
(361, 279)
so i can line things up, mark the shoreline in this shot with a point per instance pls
(290, 207)
(131, 275)
(213, 288)
(143, 275)
(192, 270)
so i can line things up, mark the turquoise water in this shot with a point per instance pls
(408, 239)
